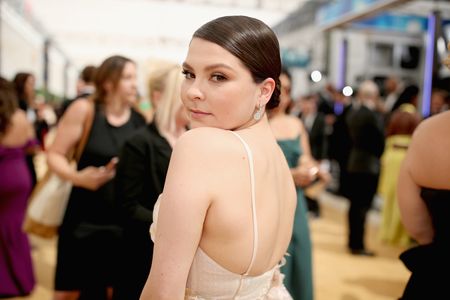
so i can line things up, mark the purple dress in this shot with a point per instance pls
(16, 271)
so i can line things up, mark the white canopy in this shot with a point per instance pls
(87, 31)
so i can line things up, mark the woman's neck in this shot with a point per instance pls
(276, 113)
(117, 111)
(115, 106)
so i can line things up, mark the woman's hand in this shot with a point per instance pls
(92, 178)
(305, 174)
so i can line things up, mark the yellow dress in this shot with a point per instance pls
(392, 230)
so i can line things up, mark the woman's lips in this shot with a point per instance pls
(198, 113)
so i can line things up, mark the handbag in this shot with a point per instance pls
(49, 198)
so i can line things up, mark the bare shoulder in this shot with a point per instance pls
(434, 123)
(19, 118)
(428, 151)
(297, 123)
(431, 130)
(79, 108)
(203, 140)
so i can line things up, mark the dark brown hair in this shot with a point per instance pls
(8, 104)
(19, 83)
(110, 70)
(88, 74)
(253, 42)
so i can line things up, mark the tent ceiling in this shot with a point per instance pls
(87, 31)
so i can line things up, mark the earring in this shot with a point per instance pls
(258, 114)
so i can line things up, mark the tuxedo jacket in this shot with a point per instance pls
(367, 136)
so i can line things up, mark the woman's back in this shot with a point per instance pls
(247, 199)
(19, 132)
(228, 232)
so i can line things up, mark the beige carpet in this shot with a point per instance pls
(337, 274)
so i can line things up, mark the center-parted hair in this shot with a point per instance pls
(253, 42)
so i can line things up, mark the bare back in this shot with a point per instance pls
(228, 232)
(19, 131)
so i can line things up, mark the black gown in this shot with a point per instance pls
(87, 254)
(429, 264)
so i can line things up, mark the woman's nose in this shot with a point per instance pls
(194, 91)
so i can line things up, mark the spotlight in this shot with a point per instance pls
(347, 91)
(316, 76)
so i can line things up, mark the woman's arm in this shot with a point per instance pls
(414, 213)
(69, 131)
(307, 169)
(185, 201)
(304, 140)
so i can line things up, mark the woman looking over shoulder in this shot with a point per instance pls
(227, 208)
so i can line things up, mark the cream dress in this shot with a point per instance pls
(208, 280)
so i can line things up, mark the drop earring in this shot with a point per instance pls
(258, 114)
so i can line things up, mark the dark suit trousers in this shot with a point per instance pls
(362, 189)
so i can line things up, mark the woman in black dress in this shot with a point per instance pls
(89, 237)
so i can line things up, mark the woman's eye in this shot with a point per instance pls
(218, 77)
(188, 75)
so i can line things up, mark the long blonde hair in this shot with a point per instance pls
(167, 80)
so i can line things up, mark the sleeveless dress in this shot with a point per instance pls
(392, 230)
(207, 280)
(88, 243)
(429, 264)
(16, 270)
(298, 268)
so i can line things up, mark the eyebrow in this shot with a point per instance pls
(213, 66)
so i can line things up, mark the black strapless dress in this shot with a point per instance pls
(430, 264)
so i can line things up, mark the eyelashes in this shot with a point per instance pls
(215, 77)
(187, 74)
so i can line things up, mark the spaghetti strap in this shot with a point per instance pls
(254, 217)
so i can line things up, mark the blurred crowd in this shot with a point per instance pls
(352, 146)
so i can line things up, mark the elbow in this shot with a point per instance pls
(50, 158)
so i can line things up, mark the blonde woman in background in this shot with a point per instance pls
(140, 178)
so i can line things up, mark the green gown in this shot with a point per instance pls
(298, 268)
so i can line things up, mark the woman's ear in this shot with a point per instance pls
(266, 89)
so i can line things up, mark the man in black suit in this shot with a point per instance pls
(367, 136)
(340, 143)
